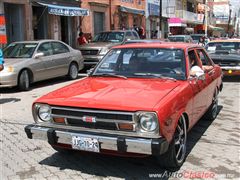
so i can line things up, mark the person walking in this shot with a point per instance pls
(81, 39)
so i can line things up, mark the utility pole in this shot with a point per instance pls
(229, 20)
(206, 16)
(160, 18)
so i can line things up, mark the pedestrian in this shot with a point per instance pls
(201, 41)
(81, 39)
(1, 60)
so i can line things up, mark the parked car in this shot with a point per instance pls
(180, 38)
(143, 41)
(196, 37)
(141, 99)
(27, 62)
(226, 53)
(93, 52)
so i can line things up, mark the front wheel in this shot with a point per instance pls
(73, 71)
(24, 81)
(176, 154)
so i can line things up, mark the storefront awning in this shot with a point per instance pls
(65, 10)
(131, 10)
(176, 22)
(214, 28)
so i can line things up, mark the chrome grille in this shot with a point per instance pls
(90, 52)
(104, 119)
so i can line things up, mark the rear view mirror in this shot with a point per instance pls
(39, 55)
(89, 72)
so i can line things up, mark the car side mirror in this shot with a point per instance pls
(39, 55)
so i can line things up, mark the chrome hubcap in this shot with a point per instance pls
(180, 140)
(73, 71)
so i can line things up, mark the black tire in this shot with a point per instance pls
(176, 154)
(24, 81)
(212, 112)
(73, 71)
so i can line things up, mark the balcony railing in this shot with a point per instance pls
(190, 17)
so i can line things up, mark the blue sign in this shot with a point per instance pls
(153, 9)
(1, 56)
(66, 10)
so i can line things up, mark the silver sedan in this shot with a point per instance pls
(31, 61)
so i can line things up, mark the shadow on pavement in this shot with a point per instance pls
(195, 134)
(7, 100)
(106, 165)
(231, 79)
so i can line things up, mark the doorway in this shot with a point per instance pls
(40, 22)
(66, 30)
(98, 22)
(14, 22)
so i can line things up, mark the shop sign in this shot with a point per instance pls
(3, 34)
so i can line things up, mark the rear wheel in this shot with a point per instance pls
(212, 112)
(73, 71)
(176, 154)
(24, 81)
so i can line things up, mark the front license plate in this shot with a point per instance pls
(85, 143)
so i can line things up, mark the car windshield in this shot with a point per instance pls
(109, 37)
(20, 50)
(196, 37)
(223, 47)
(143, 63)
(176, 39)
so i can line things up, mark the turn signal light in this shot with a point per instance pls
(123, 126)
(59, 120)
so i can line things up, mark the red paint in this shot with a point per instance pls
(169, 99)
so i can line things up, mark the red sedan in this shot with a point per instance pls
(141, 99)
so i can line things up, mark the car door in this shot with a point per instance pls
(61, 58)
(42, 65)
(199, 89)
(211, 80)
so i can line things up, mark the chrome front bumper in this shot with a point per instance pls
(128, 144)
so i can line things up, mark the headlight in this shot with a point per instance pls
(148, 121)
(42, 112)
(10, 69)
(104, 51)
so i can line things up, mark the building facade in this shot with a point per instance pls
(112, 14)
(32, 20)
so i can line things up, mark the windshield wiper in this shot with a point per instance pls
(155, 75)
(110, 75)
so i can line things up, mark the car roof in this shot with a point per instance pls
(225, 40)
(179, 35)
(170, 45)
(38, 41)
(144, 40)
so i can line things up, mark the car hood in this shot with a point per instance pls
(219, 56)
(98, 45)
(13, 61)
(130, 94)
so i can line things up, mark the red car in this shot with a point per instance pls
(141, 99)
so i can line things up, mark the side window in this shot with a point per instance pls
(203, 57)
(129, 35)
(59, 48)
(46, 49)
(135, 34)
(192, 58)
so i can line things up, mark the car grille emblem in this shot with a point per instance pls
(89, 119)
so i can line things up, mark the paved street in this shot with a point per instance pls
(213, 147)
